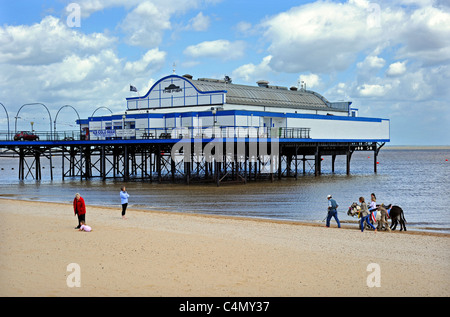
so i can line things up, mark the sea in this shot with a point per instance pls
(416, 179)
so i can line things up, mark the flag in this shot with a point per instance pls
(132, 88)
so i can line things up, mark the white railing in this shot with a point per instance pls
(166, 133)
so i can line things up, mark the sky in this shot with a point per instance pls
(391, 59)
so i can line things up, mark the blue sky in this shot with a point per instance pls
(390, 58)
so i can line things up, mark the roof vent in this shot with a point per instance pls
(263, 83)
(187, 76)
(293, 88)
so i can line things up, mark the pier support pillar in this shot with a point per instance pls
(21, 164)
(217, 172)
(318, 161)
(158, 164)
(37, 159)
(72, 160)
(103, 163)
(333, 159)
(126, 163)
(375, 156)
(304, 164)
(86, 159)
(349, 157)
(187, 171)
(51, 163)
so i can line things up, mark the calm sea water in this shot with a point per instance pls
(416, 180)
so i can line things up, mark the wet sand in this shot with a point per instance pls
(173, 254)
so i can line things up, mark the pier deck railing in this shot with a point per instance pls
(170, 133)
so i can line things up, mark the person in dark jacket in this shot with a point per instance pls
(79, 209)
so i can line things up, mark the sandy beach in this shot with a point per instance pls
(172, 254)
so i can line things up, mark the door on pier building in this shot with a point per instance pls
(274, 125)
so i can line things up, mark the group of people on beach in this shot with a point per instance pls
(365, 213)
(79, 209)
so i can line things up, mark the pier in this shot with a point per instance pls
(203, 130)
(212, 160)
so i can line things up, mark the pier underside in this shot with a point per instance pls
(213, 161)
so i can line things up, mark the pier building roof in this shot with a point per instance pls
(267, 95)
(176, 91)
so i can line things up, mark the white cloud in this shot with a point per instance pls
(373, 90)
(396, 69)
(199, 23)
(146, 24)
(415, 85)
(50, 63)
(46, 42)
(152, 58)
(251, 72)
(221, 49)
(89, 7)
(247, 29)
(367, 70)
(100, 78)
(328, 36)
(404, 57)
(372, 62)
(243, 27)
(311, 81)
(319, 37)
(425, 35)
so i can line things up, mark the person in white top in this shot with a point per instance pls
(373, 202)
(124, 200)
(84, 227)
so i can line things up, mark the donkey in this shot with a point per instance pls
(397, 217)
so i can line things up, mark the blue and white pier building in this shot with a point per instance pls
(181, 107)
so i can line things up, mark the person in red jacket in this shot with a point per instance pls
(79, 209)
